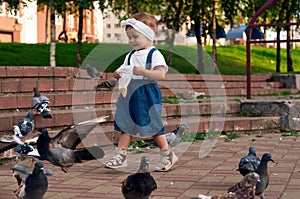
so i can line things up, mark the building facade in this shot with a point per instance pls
(28, 25)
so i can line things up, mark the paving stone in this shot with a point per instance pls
(212, 174)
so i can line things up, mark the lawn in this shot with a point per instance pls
(106, 57)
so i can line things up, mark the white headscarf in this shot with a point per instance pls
(140, 27)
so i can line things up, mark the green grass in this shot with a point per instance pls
(231, 60)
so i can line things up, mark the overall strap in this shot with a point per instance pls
(128, 61)
(149, 58)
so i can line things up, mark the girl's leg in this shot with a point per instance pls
(120, 158)
(124, 141)
(168, 157)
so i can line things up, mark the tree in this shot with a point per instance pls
(52, 34)
(174, 17)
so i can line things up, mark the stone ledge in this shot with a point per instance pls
(287, 110)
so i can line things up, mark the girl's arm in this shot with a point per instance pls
(158, 73)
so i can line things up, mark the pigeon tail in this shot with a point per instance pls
(36, 92)
(90, 153)
(46, 115)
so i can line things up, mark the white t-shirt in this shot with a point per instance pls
(139, 57)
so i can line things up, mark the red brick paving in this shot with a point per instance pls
(189, 177)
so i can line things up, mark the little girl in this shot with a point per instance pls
(139, 109)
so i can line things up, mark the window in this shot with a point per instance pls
(71, 21)
(108, 26)
(58, 20)
(108, 35)
(13, 13)
(117, 25)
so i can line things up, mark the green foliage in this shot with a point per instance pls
(139, 143)
(230, 136)
(171, 100)
(290, 132)
(192, 136)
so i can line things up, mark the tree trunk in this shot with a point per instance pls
(278, 57)
(171, 45)
(289, 60)
(79, 37)
(133, 7)
(214, 48)
(46, 25)
(176, 25)
(53, 36)
(200, 66)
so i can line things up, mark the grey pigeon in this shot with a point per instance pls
(61, 149)
(92, 71)
(41, 104)
(245, 189)
(34, 185)
(189, 95)
(173, 137)
(26, 124)
(249, 163)
(141, 184)
(262, 170)
(108, 84)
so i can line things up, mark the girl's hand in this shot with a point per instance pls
(117, 75)
(137, 70)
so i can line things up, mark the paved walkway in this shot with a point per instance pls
(191, 175)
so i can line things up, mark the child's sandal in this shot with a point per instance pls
(117, 161)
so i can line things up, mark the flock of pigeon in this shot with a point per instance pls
(61, 150)
(254, 182)
(255, 178)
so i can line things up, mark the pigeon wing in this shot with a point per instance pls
(20, 173)
(71, 136)
(35, 102)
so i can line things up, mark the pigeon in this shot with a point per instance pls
(17, 138)
(108, 84)
(92, 71)
(17, 134)
(31, 185)
(245, 189)
(249, 163)
(190, 95)
(61, 150)
(26, 150)
(173, 137)
(141, 184)
(262, 170)
(40, 104)
(26, 125)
